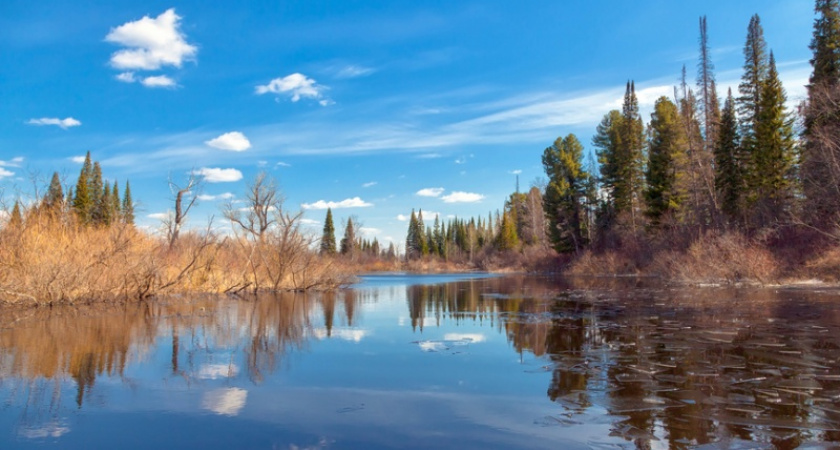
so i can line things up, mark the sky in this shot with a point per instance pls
(373, 108)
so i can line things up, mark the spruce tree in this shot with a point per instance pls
(563, 202)
(707, 91)
(96, 187)
(607, 141)
(54, 199)
(115, 203)
(15, 218)
(666, 184)
(83, 199)
(421, 235)
(328, 236)
(507, 239)
(729, 181)
(772, 158)
(127, 206)
(820, 169)
(412, 243)
(749, 103)
(631, 156)
(105, 207)
(348, 242)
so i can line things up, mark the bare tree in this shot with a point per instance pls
(264, 205)
(174, 222)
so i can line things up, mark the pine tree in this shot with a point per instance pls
(127, 206)
(729, 181)
(54, 199)
(105, 207)
(423, 243)
(348, 242)
(83, 200)
(607, 141)
(772, 158)
(328, 237)
(563, 202)
(437, 238)
(820, 169)
(666, 184)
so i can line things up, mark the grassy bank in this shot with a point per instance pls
(50, 259)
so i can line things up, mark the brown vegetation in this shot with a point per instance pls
(51, 258)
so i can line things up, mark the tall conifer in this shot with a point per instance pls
(328, 236)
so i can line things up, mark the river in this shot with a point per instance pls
(431, 361)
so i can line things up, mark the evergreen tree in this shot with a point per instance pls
(421, 235)
(115, 203)
(820, 159)
(749, 103)
(507, 239)
(105, 207)
(83, 200)
(631, 156)
(563, 202)
(127, 206)
(607, 141)
(708, 91)
(772, 158)
(15, 218)
(328, 237)
(437, 238)
(729, 181)
(666, 184)
(412, 239)
(54, 199)
(96, 189)
(348, 242)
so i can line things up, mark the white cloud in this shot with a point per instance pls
(78, 159)
(430, 192)
(429, 156)
(296, 85)
(462, 197)
(126, 77)
(369, 184)
(62, 123)
(402, 217)
(310, 222)
(283, 164)
(159, 81)
(369, 231)
(14, 162)
(5, 173)
(218, 175)
(515, 172)
(233, 141)
(354, 202)
(354, 71)
(151, 43)
(223, 196)
(460, 160)
(159, 216)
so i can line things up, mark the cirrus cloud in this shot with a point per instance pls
(354, 202)
(233, 141)
(218, 175)
(462, 197)
(61, 123)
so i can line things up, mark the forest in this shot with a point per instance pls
(733, 187)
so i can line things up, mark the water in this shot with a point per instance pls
(452, 361)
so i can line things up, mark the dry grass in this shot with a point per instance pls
(50, 260)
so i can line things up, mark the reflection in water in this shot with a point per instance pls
(227, 401)
(684, 367)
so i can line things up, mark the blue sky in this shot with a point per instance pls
(364, 105)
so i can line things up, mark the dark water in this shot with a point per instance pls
(431, 362)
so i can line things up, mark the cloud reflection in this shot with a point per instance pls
(215, 371)
(227, 401)
(53, 429)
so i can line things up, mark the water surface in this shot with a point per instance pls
(455, 361)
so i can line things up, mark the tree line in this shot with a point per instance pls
(696, 166)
